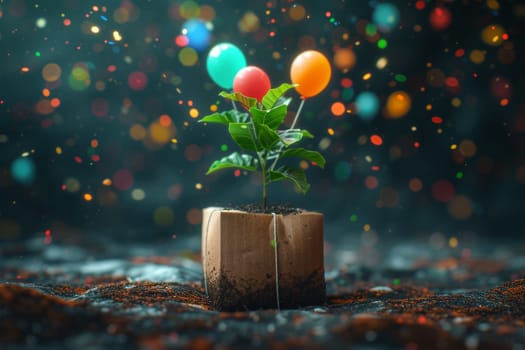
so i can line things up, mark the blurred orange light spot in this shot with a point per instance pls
(55, 102)
(88, 197)
(194, 112)
(376, 140)
(338, 109)
(415, 184)
(165, 120)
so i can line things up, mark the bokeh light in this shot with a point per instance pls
(398, 104)
(440, 18)
(198, 33)
(23, 170)
(51, 72)
(367, 105)
(385, 16)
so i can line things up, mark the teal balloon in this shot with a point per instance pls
(23, 170)
(223, 62)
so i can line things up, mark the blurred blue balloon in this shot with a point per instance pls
(385, 16)
(198, 34)
(23, 170)
(367, 105)
(223, 62)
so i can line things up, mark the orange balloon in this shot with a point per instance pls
(311, 70)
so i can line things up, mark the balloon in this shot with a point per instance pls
(252, 81)
(223, 62)
(367, 105)
(385, 17)
(197, 33)
(311, 70)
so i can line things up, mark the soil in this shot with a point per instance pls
(283, 209)
(116, 296)
(227, 295)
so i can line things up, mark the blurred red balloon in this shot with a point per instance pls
(252, 81)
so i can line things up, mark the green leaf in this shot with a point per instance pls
(267, 137)
(290, 136)
(296, 176)
(273, 95)
(249, 102)
(273, 117)
(307, 134)
(243, 135)
(226, 117)
(235, 160)
(283, 101)
(312, 156)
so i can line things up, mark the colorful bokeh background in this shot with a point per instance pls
(422, 124)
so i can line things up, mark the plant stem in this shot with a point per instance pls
(263, 161)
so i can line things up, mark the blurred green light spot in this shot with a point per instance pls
(224, 147)
(396, 281)
(37, 53)
(347, 94)
(353, 218)
(401, 78)
(371, 29)
(382, 43)
(459, 175)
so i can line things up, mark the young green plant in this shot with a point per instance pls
(257, 133)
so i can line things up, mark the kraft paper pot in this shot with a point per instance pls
(239, 260)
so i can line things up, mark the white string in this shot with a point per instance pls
(295, 119)
(276, 260)
(297, 114)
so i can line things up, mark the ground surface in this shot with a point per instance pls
(408, 295)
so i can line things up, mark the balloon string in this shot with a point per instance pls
(297, 114)
(234, 105)
(295, 119)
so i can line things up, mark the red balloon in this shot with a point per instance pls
(252, 81)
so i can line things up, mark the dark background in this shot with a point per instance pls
(483, 186)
